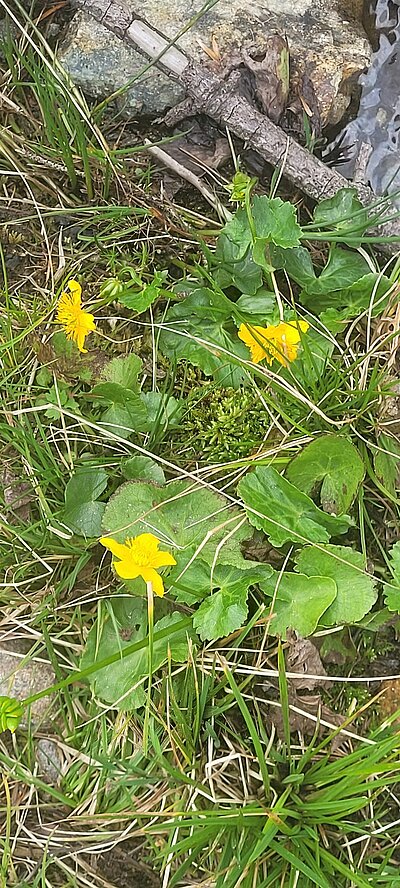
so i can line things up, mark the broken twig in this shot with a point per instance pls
(184, 173)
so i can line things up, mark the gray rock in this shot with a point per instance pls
(21, 679)
(49, 761)
(323, 40)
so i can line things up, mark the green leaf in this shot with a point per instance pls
(351, 300)
(123, 371)
(238, 231)
(197, 580)
(334, 461)
(334, 320)
(342, 270)
(178, 515)
(142, 468)
(275, 220)
(285, 513)
(43, 377)
(387, 464)
(116, 393)
(343, 212)
(205, 316)
(356, 592)
(222, 612)
(230, 269)
(82, 514)
(258, 309)
(127, 623)
(162, 410)
(300, 601)
(86, 519)
(87, 484)
(296, 262)
(128, 413)
(60, 397)
(63, 347)
(391, 590)
(126, 421)
(140, 302)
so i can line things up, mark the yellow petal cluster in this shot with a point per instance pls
(140, 557)
(280, 341)
(77, 323)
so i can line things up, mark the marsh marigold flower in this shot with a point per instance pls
(280, 341)
(77, 323)
(140, 557)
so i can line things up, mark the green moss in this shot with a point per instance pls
(221, 424)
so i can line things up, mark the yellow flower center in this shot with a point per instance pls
(142, 552)
(140, 557)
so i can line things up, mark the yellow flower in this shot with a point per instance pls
(139, 557)
(280, 341)
(77, 323)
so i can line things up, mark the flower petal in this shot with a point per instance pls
(64, 308)
(76, 291)
(253, 338)
(162, 559)
(80, 339)
(127, 570)
(117, 549)
(147, 541)
(151, 576)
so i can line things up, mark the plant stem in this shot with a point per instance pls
(150, 614)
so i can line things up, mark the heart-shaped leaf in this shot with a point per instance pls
(284, 512)
(82, 513)
(298, 601)
(334, 461)
(201, 330)
(356, 592)
(122, 683)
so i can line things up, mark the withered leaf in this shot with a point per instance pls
(303, 657)
(270, 69)
(299, 721)
(17, 494)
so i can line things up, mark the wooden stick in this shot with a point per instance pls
(219, 100)
(184, 173)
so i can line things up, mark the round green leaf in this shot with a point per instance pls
(356, 592)
(334, 461)
(299, 603)
(122, 684)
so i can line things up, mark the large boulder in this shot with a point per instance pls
(326, 41)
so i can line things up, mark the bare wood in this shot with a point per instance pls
(219, 100)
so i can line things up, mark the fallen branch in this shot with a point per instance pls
(219, 100)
